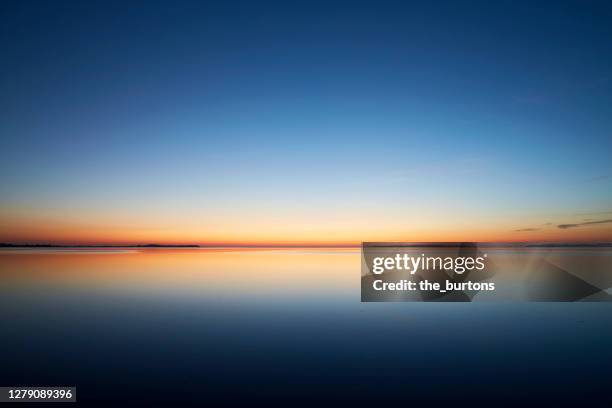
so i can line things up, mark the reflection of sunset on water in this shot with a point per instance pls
(208, 270)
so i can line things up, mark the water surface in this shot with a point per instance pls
(201, 325)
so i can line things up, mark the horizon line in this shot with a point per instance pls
(48, 244)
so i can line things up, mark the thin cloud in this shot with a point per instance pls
(598, 178)
(566, 226)
(586, 214)
(527, 230)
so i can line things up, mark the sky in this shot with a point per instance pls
(305, 122)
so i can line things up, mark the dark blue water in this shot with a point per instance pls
(128, 348)
(178, 328)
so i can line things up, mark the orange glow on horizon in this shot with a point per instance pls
(29, 227)
(68, 239)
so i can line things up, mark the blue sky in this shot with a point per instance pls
(298, 113)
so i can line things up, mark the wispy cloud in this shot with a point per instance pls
(594, 213)
(580, 224)
(598, 178)
(526, 229)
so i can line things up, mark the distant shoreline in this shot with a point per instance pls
(5, 245)
(368, 244)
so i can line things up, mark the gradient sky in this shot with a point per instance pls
(305, 122)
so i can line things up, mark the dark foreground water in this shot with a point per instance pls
(191, 327)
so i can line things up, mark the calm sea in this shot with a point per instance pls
(194, 326)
